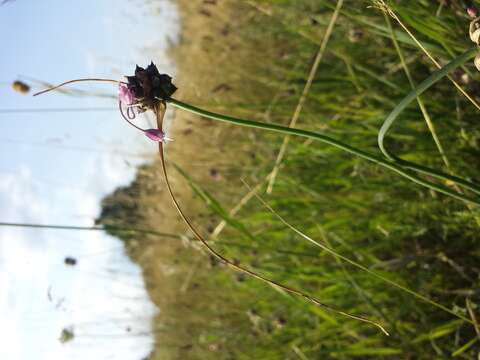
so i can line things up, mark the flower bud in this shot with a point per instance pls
(474, 30)
(125, 95)
(476, 61)
(155, 135)
(472, 11)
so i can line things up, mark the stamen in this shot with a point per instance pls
(127, 119)
(131, 113)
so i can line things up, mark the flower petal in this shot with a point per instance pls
(125, 95)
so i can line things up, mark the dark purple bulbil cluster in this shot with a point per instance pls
(148, 86)
(144, 91)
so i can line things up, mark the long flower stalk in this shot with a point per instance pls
(160, 113)
(389, 164)
(400, 166)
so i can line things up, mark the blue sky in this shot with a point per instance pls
(55, 168)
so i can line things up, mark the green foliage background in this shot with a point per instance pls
(424, 241)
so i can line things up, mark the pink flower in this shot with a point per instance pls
(125, 95)
(472, 11)
(156, 135)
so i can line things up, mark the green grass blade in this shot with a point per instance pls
(422, 87)
(214, 204)
(465, 347)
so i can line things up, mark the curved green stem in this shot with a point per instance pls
(328, 140)
(432, 79)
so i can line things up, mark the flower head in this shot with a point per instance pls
(148, 86)
(145, 90)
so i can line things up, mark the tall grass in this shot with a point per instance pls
(408, 235)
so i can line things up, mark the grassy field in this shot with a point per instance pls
(417, 250)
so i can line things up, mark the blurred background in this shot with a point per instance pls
(61, 153)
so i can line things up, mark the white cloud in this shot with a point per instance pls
(31, 262)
